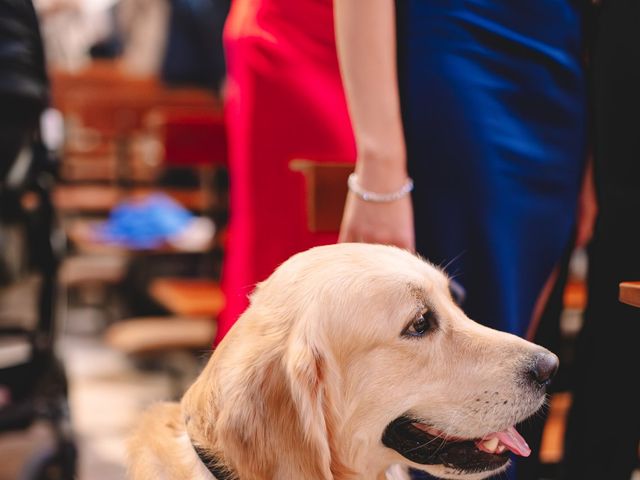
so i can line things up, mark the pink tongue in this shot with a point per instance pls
(513, 441)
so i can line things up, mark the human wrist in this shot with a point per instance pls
(377, 196)
(381, 170)
(381, 176)
(387, 154)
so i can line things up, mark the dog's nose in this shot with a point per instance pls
(544, 367)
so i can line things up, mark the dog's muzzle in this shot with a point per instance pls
(422, 445)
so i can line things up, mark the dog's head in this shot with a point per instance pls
(353, 357)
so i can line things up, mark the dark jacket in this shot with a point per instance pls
(194, 53)
(23, 78)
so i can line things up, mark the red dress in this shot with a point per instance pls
(284, 101)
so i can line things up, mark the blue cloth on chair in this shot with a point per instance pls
(146, 223)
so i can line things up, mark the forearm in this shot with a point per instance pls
(366, 41)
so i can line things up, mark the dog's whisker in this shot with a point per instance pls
(451, 261)
(425, 444)
(444, 442)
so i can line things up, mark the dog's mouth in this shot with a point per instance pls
(426, 445)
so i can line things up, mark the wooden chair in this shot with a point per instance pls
(630, 293)
(100, 199)
(188, 297)
(326, 192)
(152, 335)
(195, 139)
(105, 110)
(81, 270)
(100, 76)
(173, 344)
(190, 137)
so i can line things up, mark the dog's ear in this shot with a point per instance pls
(307, 367)
(314, 382)
(269, 398)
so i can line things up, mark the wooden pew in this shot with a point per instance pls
(190, 136)
(119, 111)
(105, 109)
(153, 335)
(188, 297)
(174, 344)
(100, 199)
(630, 293)
(194, 304)
(100, 76)
(326, 192)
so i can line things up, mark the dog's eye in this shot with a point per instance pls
(420, 325)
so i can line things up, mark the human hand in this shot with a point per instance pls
(386, 223)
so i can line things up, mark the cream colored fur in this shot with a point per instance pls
(305, 383)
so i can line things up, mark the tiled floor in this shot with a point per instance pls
(106, 395)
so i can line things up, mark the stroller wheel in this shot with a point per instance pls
(52, 463)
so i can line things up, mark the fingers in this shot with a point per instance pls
(384, 223)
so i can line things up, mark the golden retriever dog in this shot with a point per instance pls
(351, 360)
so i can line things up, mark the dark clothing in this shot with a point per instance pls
(24, 88)
(194, 53)
(493, 99)
(604, 424)
(493, 102)
(22, 66)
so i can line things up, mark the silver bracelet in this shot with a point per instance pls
(367, 196)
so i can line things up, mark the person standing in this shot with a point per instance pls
(284, 100)
(24, 85)
(603, 429)
(482, 104)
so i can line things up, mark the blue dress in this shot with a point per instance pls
(493, 104)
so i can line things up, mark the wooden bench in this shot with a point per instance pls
(105, 110)
(114, 113)
(326, 192)
(630, 293)
(100, 76)
(81, 270)
(168, 343)
(188, 297)
(100, 199)
(149, 335)
(191, 137)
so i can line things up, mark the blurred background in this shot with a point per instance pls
(113, 225)
(111, 230)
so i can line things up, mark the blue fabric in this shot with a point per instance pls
(493, 106)
(146, 223)
(493, 103)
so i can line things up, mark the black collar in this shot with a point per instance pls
(218, 471)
